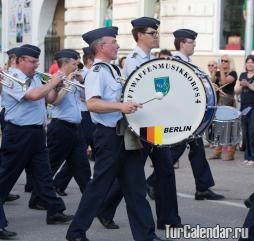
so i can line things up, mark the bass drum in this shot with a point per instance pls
(178, 101)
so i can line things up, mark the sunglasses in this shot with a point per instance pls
(224, 61)
(210, 65)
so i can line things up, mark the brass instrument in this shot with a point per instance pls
(8, 80)
(71, 83)
(45, 77)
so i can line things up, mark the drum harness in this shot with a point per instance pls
(131, 141)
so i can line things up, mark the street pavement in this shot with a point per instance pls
(232, 179)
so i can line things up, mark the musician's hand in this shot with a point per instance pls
(57, 79)
(75, 75)
(78, 76)
(130, 107)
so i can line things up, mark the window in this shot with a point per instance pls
(108, 14)
(233, 26)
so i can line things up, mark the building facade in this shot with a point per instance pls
(55, 24)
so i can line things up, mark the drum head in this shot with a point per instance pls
(178, 114)
(226, 113)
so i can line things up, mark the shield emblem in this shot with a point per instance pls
(162, 84)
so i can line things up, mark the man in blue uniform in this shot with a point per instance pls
(103, 93)
(185, 44)
(24, 140)
(64, 135)
(10, 65)
(64, 176)
(146, 35)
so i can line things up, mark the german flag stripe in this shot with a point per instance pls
(152, 134)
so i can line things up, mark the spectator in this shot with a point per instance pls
(245, 87)
(53, 68)
(225, 78)
(164, 53)
(122, 62)
(212, 68)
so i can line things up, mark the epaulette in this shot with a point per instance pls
(100, 64)
(96, 68)
(134, 55)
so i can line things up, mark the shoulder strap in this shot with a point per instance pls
(116, 69)
(109, 67)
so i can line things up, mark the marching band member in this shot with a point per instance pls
(64, 176)
(146, 35)
(64, 136)
(11, 64)
(185, 44)
(103, 91)
(24, 140)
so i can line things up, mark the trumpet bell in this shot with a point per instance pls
(7, 83)
(44, 77)
(8, 80)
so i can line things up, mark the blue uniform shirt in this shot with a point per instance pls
(134, 60)
(183, 57)
(82, 103)
(68, 109)
(100, 82)
(20, 111)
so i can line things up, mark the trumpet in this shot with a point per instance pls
(45, 77)
(71, 83)
(8, 80)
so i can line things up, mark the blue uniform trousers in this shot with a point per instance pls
(113, 161)
(65, 143)
(248, 127)
(165, 186)
(25, 147)
(199, 164)
(64, 176)
(3, 124)
(113, 199)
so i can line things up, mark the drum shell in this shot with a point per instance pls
(226, 127)
(224, 132)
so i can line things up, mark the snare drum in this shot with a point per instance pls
(226, 126)
(185, 110)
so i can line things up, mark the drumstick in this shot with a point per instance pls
(158, 96)
(223, 86)
(220, 88)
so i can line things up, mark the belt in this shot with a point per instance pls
(66, 123)
(25, 126)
